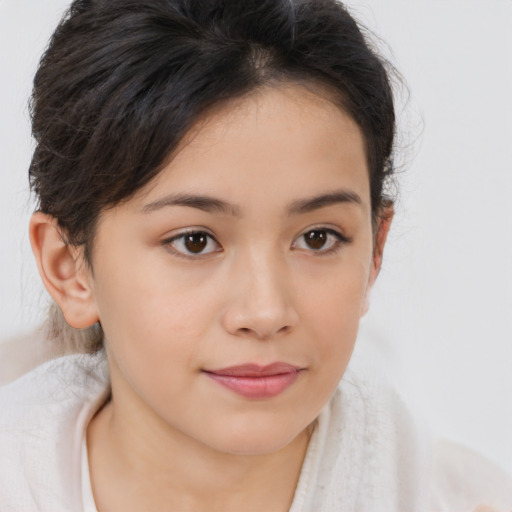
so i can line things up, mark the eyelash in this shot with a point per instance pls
(168, 243)
(336, 246)
(339, 242)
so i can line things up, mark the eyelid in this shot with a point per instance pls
(168, 243)
(341, 240)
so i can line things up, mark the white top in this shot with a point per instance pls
(88, 504)
(367, 453)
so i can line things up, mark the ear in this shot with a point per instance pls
(381, 234)
(63, 271)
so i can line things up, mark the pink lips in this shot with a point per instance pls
(254, 381)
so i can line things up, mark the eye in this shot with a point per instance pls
(320, 240)
(193, 243)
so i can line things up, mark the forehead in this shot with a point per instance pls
(284, 138)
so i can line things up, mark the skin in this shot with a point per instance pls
(171, 438)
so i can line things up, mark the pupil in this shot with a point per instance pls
(196, 242)
(316, 239)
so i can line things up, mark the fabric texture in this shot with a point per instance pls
(88, 504)
(368, 453)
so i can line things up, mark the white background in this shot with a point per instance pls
(441, 315)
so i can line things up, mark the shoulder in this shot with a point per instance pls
(373, 452)
(51, 392)
(42, 420)
(65, 379)
(458, 477)
(384, 442)
(464, 479)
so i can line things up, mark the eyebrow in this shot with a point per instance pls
(323, 200)
(215, 205)
(201, 202)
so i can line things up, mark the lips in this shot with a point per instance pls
(255, 381)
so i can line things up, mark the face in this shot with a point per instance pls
(231, 287)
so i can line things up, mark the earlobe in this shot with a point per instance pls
(381, 234)
(64, 274)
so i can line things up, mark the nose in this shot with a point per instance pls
(261, 300)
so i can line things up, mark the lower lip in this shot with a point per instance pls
(266, 386)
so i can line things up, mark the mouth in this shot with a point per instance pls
(254, 381)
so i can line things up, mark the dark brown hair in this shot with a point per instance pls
(123, 81)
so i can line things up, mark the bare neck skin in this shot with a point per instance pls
(137, 465)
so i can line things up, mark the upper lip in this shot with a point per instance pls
(255, 370)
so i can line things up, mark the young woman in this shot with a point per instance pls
(212, 216)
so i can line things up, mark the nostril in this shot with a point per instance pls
(247, 331)
(284, 330)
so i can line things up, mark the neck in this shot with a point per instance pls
(142, 464)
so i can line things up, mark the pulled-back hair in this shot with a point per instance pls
(123, 81)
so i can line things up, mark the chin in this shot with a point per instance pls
(264, 440)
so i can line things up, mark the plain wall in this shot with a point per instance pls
(441, 315)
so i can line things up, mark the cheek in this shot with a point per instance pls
(154, 334)
(333, 309)
(155, 317)
(331, 314)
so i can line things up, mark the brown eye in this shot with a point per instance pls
(320, 241)
(193, 243)
(196, 242)
(316, 239)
